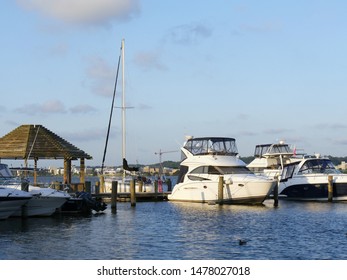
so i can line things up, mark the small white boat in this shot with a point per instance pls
(44, 201)
(205, 160)
(11, 200)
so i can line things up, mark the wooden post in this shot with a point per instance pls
(97, 187)
(88, 186)
(156, 189)
(114, 196)
(102, 183)
(275, 191)
(35, 171)
(82, 171)
(330, 188)
(169, 185)
(67, 171)
(220, 190)
(25, 188)
(132, 193)
(140, 186)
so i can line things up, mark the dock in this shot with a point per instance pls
(140, 196)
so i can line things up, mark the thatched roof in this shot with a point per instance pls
(37, 142)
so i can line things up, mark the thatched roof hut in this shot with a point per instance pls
(37, 142)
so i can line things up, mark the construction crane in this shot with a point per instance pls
(160, 153)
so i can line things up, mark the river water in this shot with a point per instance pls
(183, 231)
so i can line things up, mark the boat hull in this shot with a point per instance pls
(9, 205)
(41, 206)
(44, 202)
(313, 188)
(250, 192)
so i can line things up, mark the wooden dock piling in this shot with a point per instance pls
(330, 188)
(114, 196)
(24, 188)
(132, 193)
(220, 190)
(97, 187)
(88, 186)
(156, 190)
(275, 192)
(141, 186)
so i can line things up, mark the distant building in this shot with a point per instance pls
(342, 166)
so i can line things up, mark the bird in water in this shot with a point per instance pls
(242, 242)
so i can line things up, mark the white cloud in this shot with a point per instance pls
(84, 11)
(101, 75)
(189, 33)
(149, 60)
(48, 107)
(82, 109)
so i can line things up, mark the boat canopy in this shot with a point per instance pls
(5, 172)
(272, 150)
(310, 166)
(211, 145)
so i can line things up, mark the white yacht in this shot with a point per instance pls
(270, 158)
(204, 161)
(307, 179)
(301, 177)
(11, 200)
(44, 201)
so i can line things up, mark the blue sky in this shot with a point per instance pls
(259, 71)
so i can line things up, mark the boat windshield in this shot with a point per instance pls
(5, 171)
(318, 166)
(214, 145)
(272, 149)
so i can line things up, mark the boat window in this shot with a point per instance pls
(199, 170)
(317, 166)
(183, 156)
(182, 173)
(214, 171)
(273, 149)
(261, 149)
(288, 171)
(197, 178)
(214, 145)
(206, 170)
(234, 170)
(221, 170)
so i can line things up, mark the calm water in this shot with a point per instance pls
(167, 230)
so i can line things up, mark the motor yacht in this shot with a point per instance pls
(307, 179)
(300, 177)
(270, 158)
(204, 161)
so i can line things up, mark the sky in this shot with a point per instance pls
(258, 71)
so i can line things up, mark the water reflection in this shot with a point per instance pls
(167, 230)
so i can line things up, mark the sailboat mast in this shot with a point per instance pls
(123, 104)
